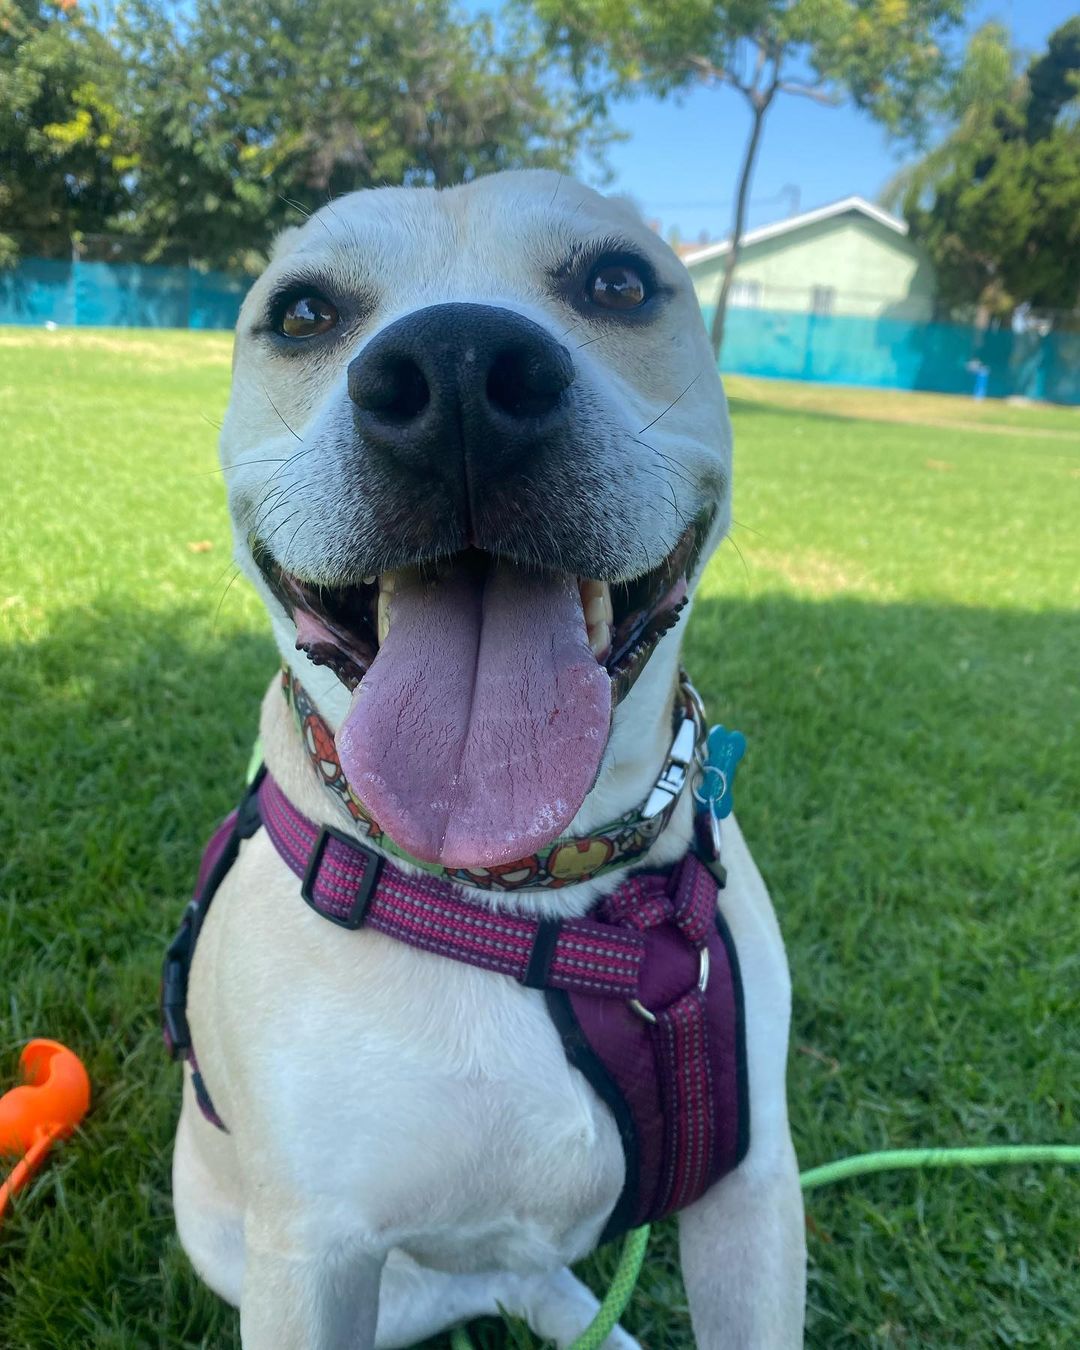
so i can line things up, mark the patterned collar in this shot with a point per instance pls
(569, 860)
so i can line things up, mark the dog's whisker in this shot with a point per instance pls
(308, 215)
(297, 454)
(260, 512)
(734, 544)
(240, 464)
(672, 403)
(224, 593)
(669, 455)
(292, 540)
(296, 206)
(281, 525)
(232, 563)
(666, 460)
(280, 418)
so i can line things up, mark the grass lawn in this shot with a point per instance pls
(899, 639)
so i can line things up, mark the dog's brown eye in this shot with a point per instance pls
(307, 316)
(617, 286)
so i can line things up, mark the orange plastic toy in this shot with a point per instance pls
(54, 1098)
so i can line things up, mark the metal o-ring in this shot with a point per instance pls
(702, 984)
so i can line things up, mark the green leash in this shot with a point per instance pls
(889, 1160)
(905, 1159)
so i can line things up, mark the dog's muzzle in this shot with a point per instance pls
(462, 394)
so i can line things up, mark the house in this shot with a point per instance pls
(847, 258)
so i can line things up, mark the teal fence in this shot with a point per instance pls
(900, 354)
(785, 344)
(135, 295)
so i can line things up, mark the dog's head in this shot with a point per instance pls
(477, 454)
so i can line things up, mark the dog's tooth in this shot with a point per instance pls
(609, 613)
(596, 601)
(369, 581)
(386, 582)
(599, 639)
(383, 616)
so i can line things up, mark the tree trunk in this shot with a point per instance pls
(760, 104)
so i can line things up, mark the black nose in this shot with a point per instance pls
(464, 392)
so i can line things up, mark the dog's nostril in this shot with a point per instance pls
(394, 389)
(529, 381)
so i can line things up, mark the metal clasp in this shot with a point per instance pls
(702, 984)
(672, 779)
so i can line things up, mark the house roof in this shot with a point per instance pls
(838, 208)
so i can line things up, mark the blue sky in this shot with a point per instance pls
(681, 161)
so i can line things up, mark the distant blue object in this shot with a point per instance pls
(882, 353)
(723, 751)
(886, 353)
(124, 295)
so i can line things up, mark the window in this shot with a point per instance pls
(822, 299)
(746, 294)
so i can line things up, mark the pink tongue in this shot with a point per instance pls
(479, 729)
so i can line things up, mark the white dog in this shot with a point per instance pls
(490, 410)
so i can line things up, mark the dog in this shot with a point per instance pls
(467, 428)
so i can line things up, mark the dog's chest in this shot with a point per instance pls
(430, 1103)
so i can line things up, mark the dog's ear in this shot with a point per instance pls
(283, 242)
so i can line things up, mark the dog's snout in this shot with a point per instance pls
(462, 391)
(527, 379)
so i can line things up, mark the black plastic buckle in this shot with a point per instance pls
(248, 816)
(372, 867)
(174, 984)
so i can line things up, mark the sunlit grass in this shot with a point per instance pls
(900, 643)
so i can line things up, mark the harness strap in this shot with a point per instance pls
(663, 1050)
(218, 856)
(346, 882)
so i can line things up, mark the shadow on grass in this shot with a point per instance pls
(912, 772)
(124, 736)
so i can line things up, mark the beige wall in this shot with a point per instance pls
(875, 271)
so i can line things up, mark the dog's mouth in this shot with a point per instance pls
(482, 691)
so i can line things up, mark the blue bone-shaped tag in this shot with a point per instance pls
(723, 750)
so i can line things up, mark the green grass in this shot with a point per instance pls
(900, 643)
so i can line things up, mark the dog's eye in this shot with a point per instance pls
(307, 316)
(617, 286)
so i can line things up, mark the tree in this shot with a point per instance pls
(248, 110)
(1053, 79)
(997, 202)
(882, 54)
(63, 146)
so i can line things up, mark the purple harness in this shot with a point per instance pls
(644, 991)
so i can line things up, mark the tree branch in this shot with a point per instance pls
(817, 92)
(705, 68)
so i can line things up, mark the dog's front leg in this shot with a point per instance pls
(298, 1298)
(743, 1251)
(743, 1244)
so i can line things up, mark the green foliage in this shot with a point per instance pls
(883, 54)
(64, 148)
(218, 120)
(997, 203)
(1054, 79)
